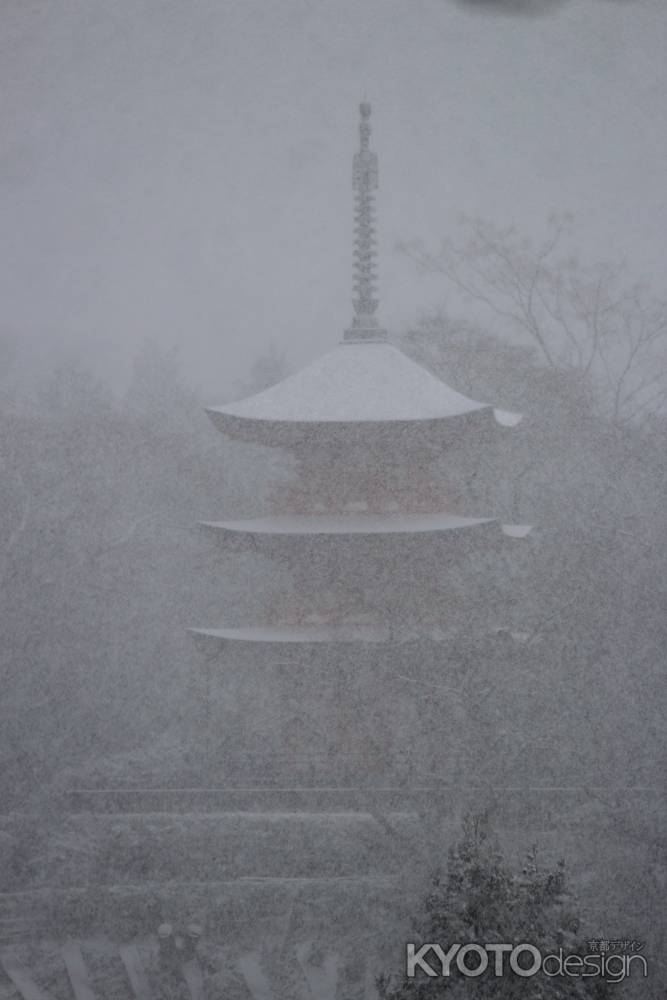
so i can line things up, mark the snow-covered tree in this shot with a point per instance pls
(480, 898)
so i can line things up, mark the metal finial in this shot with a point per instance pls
(365, 182)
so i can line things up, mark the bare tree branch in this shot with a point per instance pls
(579, 318)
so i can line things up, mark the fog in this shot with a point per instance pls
(181, 171)
(376, 656)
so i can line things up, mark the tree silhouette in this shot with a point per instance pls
(481, 899)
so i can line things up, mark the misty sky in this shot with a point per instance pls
(180, 169)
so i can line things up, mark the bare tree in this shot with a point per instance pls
(579, 317)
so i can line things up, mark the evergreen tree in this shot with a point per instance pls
(481, 899)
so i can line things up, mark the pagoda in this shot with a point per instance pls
(389, 568)
(336, 739)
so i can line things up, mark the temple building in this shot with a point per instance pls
(389, 566)
(343, 731)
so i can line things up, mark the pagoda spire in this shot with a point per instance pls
(365, 326)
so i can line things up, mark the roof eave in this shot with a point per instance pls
(264, 431)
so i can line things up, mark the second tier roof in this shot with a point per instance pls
(360, 524)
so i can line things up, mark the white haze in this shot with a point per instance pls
(181, 171)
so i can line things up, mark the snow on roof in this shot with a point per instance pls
(348, 524)
(295, 633)
(329, 632)
(517, 530)
(367, 382)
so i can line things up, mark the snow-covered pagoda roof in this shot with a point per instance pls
(308, 633)
(356, 382)
(334, 633)
(364, 381)
(362, 524)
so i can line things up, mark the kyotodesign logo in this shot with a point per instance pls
(523, 959)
